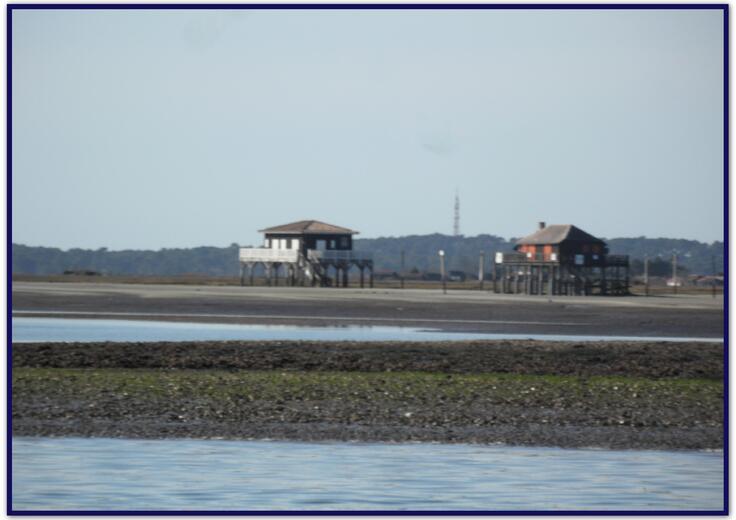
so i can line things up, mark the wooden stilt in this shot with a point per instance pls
(604, 282)
(268, 266)
(481, 269)
(512, 281)
(540, 282)
(493, 275)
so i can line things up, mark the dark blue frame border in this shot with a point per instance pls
(392, 6)
(9, 262)
(396, 6)
(726, 235)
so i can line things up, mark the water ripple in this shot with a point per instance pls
(182, 474)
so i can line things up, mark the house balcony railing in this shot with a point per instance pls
(510, 258)
(617, 260)
(347, 256)
(264, 254)
(587, 260)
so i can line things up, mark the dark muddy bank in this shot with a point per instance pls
(632, 359)
(611, 395)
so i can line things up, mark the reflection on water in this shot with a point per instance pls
(126, 474)
(63, 329)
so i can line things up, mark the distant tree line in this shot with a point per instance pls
(692, 256)
(420, 256)
(213, 261)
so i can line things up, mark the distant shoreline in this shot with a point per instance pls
(657, 287)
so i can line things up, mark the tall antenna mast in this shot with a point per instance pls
(456, 225)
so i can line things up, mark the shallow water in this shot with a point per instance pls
(83, 330)
(126, 474)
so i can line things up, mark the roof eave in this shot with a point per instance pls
(305, 232)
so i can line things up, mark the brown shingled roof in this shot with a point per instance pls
(558, 233)
(309, 227)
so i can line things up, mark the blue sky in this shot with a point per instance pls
(150, 129)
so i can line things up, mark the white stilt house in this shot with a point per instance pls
(306, 252)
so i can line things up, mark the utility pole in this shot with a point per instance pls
(456, 221)
(442, 271)
(674, 272)
(494, 274)
(402, 269)
(481, 269)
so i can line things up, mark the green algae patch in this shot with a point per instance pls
(613, 412)
(607, 400)
(272, 384)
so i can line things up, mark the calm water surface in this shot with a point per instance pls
(73, 329)
(122, 474)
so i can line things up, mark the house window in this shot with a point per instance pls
(332, 244)
(267, 243)
(343, 242)
(579, 259)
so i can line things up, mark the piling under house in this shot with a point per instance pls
(307, 252)
(561, 260)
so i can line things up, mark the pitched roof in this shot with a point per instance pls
(556, 234)
(309, 227)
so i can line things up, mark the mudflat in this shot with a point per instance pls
(458, 310)
(645, 394)
(650, 395)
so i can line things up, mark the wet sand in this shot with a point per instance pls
(461, 310)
